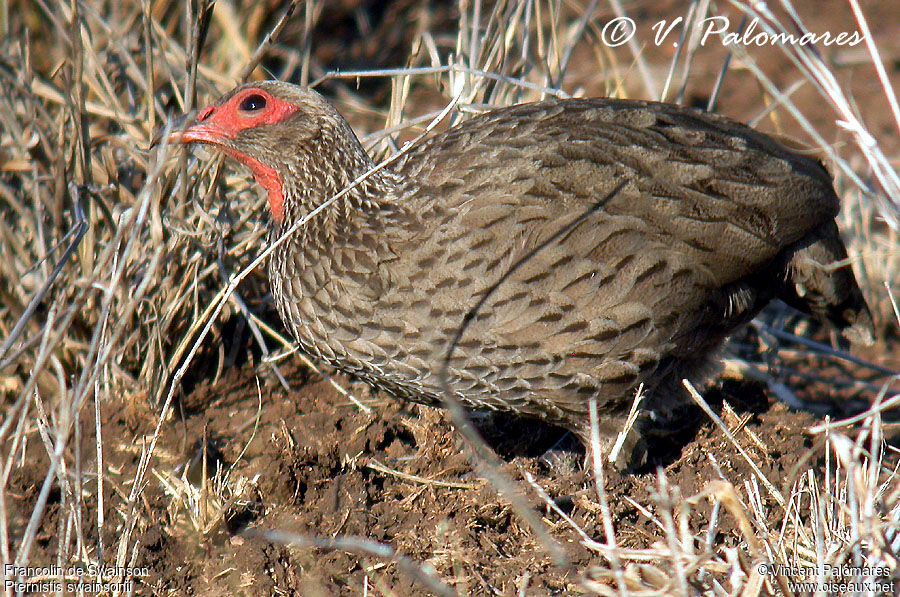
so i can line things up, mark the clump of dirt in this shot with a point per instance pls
(309, 462)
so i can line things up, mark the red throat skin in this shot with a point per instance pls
(215, 125)
(268, 178)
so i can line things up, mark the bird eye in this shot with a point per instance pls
(252, 103)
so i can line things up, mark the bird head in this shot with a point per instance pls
(295, 143)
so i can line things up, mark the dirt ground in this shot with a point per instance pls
(310, 462)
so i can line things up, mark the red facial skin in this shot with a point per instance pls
(215, 125)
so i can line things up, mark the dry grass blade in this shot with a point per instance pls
(377, 466)
(815, 70)
(698, 399)
(117, 296)
(363, 547)
(77, 233)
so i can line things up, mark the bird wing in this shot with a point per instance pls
(577, 298)
(727, 195)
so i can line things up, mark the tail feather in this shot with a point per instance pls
(820, 282)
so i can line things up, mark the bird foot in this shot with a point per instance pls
(562, 457)
(622, 442)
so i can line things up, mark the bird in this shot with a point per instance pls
(539, 256)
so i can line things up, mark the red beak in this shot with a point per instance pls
(186, 129)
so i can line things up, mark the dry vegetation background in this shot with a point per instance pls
(118, 265)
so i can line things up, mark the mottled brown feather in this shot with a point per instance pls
(710, 224)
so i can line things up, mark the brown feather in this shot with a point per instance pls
(712, 221)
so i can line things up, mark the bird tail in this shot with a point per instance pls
(819, 281)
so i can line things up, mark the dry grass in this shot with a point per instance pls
(121, 264)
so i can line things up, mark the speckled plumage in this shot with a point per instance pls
(713, 221)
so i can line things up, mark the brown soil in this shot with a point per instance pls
(309, 462)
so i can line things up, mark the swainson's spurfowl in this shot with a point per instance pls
(610, 242)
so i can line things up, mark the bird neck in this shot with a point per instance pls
(338, 251)
(365, 211)
(345, 178)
